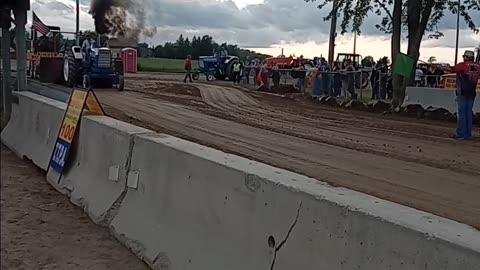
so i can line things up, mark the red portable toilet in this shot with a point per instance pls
(129, 57)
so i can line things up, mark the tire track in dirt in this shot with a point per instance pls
(441, 191)
(238, 105)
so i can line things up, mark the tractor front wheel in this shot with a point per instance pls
(71, 70)
(209, 77)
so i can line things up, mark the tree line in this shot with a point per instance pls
(197, 46)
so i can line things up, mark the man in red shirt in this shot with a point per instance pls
(188, 69)
(468, 73)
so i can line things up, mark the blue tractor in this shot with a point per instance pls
(94, 67)
(219, 67)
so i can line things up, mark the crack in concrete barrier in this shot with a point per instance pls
(112, 211)
(286, 237)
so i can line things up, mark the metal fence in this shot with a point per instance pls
(342, 85)
(313, 82)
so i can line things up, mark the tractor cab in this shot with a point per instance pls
(356, 59)
(361, 79)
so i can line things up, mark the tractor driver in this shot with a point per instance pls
(86, 45)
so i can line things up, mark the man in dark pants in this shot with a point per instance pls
(468, 74)
(337, 80)
(188, 69)
(276, 78)
(246, 70)
(237, 70)
(324, 69)
(350, 76)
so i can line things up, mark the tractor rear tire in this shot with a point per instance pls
(71, 70)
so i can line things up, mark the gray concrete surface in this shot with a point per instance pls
(434, 97)
(33, 127)
(97, 176)
(193, 207)
(196, 201)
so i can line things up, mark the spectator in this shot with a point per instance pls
(276, 77)
(265, 77)
(188, 68)
(468, 73)
(324, 69)
(431, 79)
(237, 70)
(375, 81)
(350, 78)
(418, 76)
(438, 72)
(257, 68)
(301, 76)
(337, 80)
(247, 67)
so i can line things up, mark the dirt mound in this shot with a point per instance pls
(153, 87)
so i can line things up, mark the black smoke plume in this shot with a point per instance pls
(120, 18)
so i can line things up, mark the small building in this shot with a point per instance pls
(127, 49)
(116, 45)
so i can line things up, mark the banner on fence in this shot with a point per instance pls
(404, 65)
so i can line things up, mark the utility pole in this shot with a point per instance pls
(77, 28)
(6, 79)
(355, 43)
(20, 21)
(333, 33)
(458, 31)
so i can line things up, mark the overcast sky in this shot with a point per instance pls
(262, 25)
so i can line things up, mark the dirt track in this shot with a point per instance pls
(400, 159)
(41, 229)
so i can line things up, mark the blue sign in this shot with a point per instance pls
(60, 154)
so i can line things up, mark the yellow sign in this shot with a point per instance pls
(72, 116)
(79, 99)
(93, 105)
(450, 83)
(36, 56)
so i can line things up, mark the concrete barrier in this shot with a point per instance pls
(180, 205)
(434, 97)
(96, 179)
(192, 207)
(32, 131)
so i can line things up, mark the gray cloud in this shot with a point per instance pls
(274, 22)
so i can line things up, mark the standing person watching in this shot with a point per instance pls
(188, 68)
(247, 67)
(337, 80)
(324, 70)
(350, 78)
(468, 73)
(237, 70)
